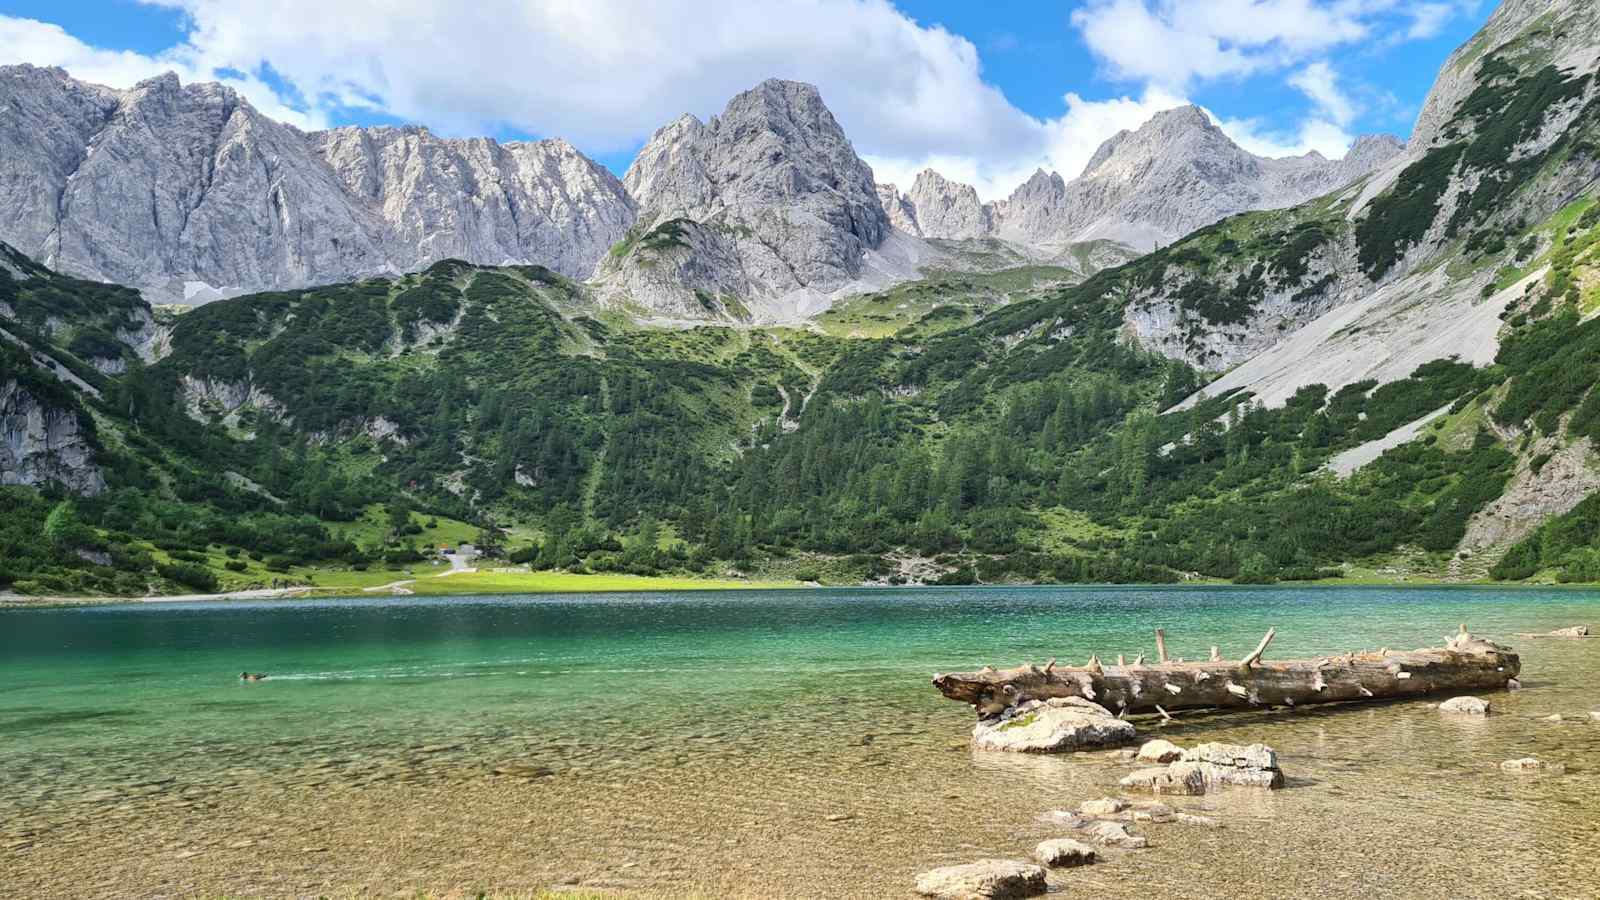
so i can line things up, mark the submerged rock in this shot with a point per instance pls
(1062, 853)
(1159, 751)
(1529, 764)
(1056, 725)
(1115, 834)
(1105, 806)
(1209, 767)
(1465, 706)
(986, 879)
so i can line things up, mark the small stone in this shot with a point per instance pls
(1572, 631)
(1063, 817)
(1062, 853)
(1465, 706)
(1594, 715)
(1115, 834)
(1192, 819)
(1553, 717)
(840, 817)
(1105, 806)
(986, 879)
(1159, 751)
(1529, 764)
(1123, 755)
(1513, 685)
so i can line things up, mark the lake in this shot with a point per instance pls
(697, 744)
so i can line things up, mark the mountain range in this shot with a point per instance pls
(189, 193)
(1395, 375)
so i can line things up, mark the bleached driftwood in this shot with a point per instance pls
(1465, 663)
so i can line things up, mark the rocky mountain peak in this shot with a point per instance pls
(188, 193)
(773, 163)
(947, 209)
(1142, 188)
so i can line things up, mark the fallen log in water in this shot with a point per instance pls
(1465, 663)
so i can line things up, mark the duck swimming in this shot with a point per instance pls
(251, 676)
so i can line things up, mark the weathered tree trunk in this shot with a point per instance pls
(1464, 663)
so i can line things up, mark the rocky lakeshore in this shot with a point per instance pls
(779, 768)
(1101, 829)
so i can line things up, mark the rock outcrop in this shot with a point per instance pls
(45, 443)
(1057, 725)
(189, 193)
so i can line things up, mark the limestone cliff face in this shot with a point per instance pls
(188, 193)
(1144, 189)
(1434, 295)
(774, 183)
(42, 443)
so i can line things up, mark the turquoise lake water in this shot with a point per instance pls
(405, 736)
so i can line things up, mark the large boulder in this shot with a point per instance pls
(1465, 706)
(986, 879)
(1056, 725)
(1210, 767)
(1062, 853)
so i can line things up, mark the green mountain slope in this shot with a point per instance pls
(1217, 409)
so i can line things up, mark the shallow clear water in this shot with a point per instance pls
(697, 744)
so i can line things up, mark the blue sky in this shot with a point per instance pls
(985, 92)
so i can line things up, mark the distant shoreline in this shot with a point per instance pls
(564, 583)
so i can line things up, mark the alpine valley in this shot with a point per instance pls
(233, 352)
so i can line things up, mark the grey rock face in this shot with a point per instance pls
(187, 192)
(41, 444)
(1145, 188)
(947, 209)
(1575, 23)
(776, 176)
(681, 271)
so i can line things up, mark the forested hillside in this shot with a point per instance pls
(1003, 426)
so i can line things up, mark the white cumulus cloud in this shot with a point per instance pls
(44, 44)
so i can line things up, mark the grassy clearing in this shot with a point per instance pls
(565, 582)
(373, 525)
(1067, 531)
